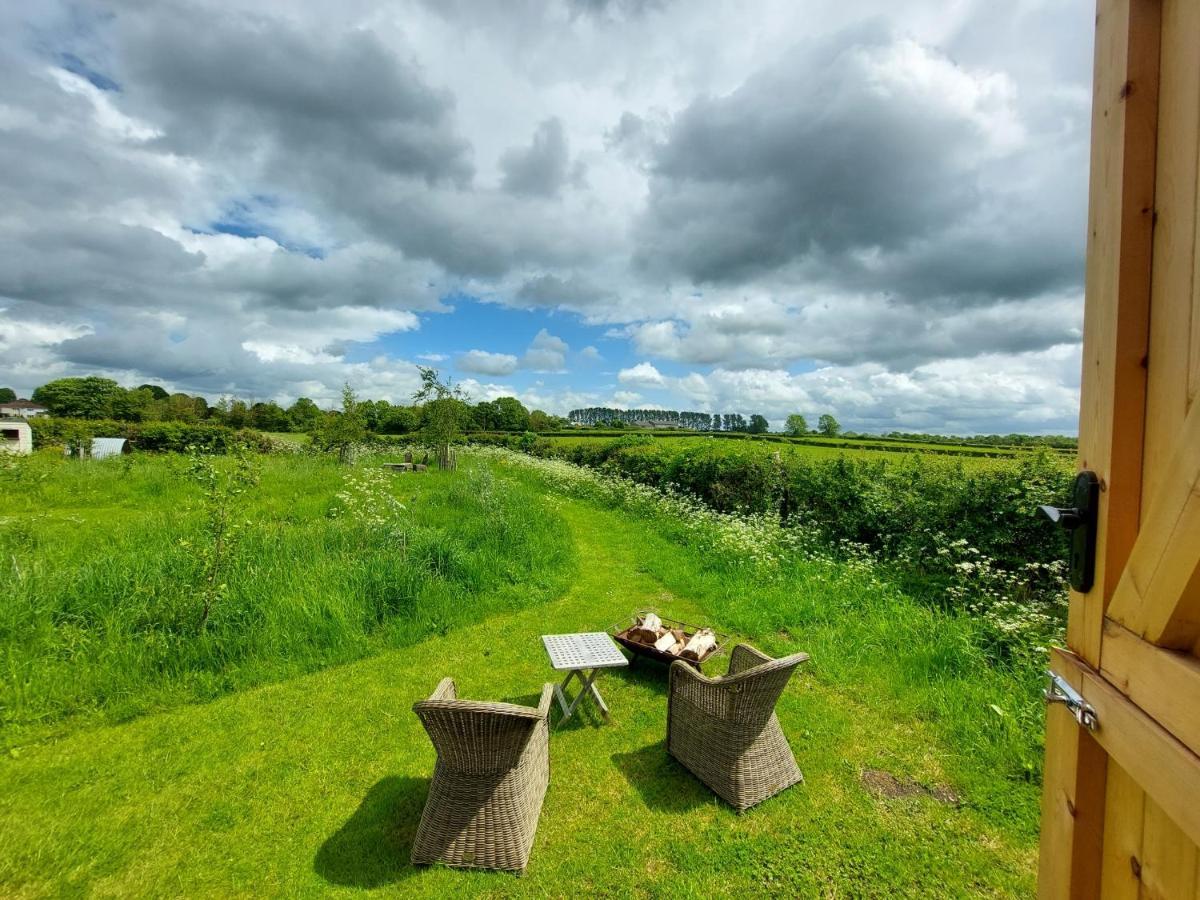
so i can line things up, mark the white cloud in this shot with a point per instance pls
(643, 374)
(482, 362)
(438, 152)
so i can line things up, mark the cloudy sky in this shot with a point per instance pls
(870, 208)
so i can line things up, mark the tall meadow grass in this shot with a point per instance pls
(103, 570)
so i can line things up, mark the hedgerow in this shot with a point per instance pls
(907, 510)
(161, 437)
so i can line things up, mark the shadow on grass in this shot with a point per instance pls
(530, 700)
(664, 784)
(371, 848)
(646, 674)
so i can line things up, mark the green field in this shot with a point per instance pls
(306, 773)
(813, 446)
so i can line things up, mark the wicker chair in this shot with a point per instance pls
(491, 775)
(725, 731)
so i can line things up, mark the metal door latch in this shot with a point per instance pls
(1059, 691)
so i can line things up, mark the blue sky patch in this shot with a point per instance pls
(77, 66)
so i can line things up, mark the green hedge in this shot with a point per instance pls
(162, 437)
(908, 507)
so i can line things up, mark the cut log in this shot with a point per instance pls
(699, 645)
(648, 629)
(666, 642)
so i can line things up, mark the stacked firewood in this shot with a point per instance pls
(649, 630)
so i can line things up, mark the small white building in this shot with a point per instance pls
(15, 437)
(26, 408)
(103, 448)
(99, 448)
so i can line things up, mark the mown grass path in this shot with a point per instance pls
(313, 786)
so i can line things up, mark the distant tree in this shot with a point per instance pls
(138, 405)
(371, 410)
(511, 414)
(268, 416)
(340, 430)
(398, 420)
(7, 395)
(828, 425)
(484, 416)
(182, 408)
(155, 391)
(234, 413)
(304, 414)
(758, 424)
(796, 425)
(82, 398)
(540, 420)
(443, 411)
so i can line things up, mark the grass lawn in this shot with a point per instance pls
(291, 437)
(313, 786)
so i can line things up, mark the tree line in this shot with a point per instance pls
(93, 397)
(609, 417)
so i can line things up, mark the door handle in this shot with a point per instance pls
(1080, 521)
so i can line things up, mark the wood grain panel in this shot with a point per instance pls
(1168, 858)
(1117, 312)
(1158, 595)
(1124, 816)
(1173, 276)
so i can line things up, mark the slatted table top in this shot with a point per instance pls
(591, 650)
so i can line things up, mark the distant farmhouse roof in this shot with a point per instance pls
(21, 408)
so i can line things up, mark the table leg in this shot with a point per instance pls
(590, 685)
(587, 686)
(562, 697)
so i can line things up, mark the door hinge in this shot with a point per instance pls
(1059, 691)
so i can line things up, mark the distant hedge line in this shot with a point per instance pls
(907, 508)
(161, 437)
(884, 444)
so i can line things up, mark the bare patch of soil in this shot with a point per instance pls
(885, 784)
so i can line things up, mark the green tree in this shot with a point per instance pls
(759, 424)
(484, 416)
(268, 416)
(341, 430)
(222, 487)
(398, 420)
(541, 421)
(157, 392)
(828, 425)
(83, 398)
(182, 408)
(443, 411)
(234, 413)
(511, 414)
(304, 414)
(7, 395)
(796, 425)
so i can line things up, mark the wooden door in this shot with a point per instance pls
(1121, 803)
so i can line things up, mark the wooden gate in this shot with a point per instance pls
(1121, 804)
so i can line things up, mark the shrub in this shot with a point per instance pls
(161, 437)
(958, 536)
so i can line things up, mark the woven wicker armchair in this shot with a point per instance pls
(491, 775)
(725, 731)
